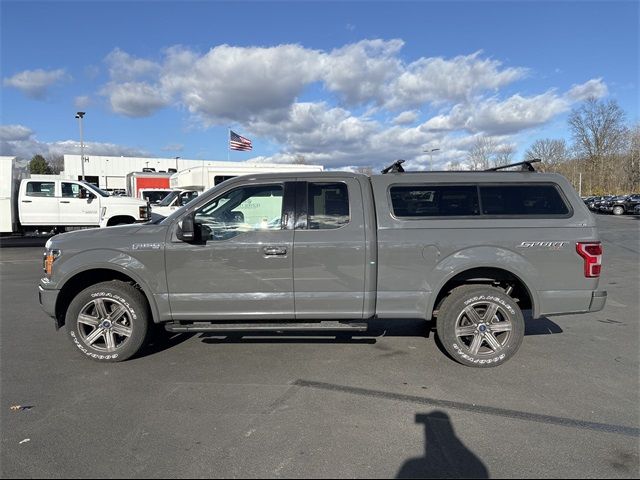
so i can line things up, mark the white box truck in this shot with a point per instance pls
(187, 184)
(49, 203)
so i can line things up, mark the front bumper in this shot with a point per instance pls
(47, 298)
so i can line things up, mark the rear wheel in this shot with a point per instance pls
(480, 326)
(108, 321)
(618, 210)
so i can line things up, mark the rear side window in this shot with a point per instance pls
(522, 200)
(328, 206)
(41, 189)
(435, 201)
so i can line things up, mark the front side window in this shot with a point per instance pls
(522, 200)
(245, 209)
(434, 201)
(328, 206)
(73, 190)
(41, 189)
(186, 197)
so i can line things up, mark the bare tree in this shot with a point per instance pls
(482, 153)
(503, 155)
(599, 135)
(56, 162)
(552, 153)
(300, 159)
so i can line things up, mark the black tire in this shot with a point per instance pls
(114, 321)
(478, 348)
(618, 210)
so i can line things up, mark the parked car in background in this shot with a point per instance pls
(621, 204)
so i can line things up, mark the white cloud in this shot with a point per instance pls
(136, 99)
(82, 102)
(14, 132)
(593, 88)
(173, 147)
(406, 117)
(260, 88)
(361, 71)
(438, 80)
(20, 141)
(127, 68)
(35, 83)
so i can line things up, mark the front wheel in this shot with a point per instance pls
(618, 210)
(108, 321)
(480, 326)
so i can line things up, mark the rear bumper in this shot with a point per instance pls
(598, 300)
(566, 302)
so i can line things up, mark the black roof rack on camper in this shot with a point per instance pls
(526, 166)
(396, 167)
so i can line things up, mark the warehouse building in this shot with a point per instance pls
(109, 173)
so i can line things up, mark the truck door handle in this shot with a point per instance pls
(65, 201)
(26, 201)
(272, 251)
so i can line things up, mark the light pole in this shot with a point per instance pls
(80, 116)
(430, 152)
(177, 163)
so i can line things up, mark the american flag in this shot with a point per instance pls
(238, 142)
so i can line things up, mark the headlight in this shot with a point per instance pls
(50, 256)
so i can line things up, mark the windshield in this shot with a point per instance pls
(166, 201)
(93, 188)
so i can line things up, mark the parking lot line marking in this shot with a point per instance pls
(499, 412)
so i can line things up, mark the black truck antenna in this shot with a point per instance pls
(395, 167)
(526, 166)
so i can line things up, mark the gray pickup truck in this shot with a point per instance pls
(330, 251)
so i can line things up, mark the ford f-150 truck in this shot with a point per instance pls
(330, 251)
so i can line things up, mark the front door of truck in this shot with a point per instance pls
(242, 266)
(78, 205)
(38, 203)
(329, 250)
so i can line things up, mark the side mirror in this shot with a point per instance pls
(186, 229)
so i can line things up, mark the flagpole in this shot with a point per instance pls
(229, 144)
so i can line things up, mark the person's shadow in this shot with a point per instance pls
(445, 455)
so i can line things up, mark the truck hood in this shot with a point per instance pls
(123, 201)
(122, 237)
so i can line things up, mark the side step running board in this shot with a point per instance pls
(265, 327)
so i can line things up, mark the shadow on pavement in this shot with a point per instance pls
(445, 455)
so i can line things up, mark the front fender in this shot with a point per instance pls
(153, 285)
(484, 257)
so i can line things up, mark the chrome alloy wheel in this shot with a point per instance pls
(104, 324)
(484, 328)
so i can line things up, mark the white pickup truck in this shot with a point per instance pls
(57, 204)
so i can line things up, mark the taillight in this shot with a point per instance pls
(591, 252)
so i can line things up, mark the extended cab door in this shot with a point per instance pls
(242, 266)
(78, 205)
(329, 249)
(38, 204)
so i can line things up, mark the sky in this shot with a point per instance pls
(342, 84)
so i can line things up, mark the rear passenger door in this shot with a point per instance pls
(329, 249)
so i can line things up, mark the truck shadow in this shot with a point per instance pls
(445, 455)
(377, 329)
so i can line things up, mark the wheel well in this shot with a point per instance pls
(120, 219)
(488, 276)
(83, 280)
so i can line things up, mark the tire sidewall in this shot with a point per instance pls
(456, 303)
(123, 293)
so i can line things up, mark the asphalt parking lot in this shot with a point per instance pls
(385, 404)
